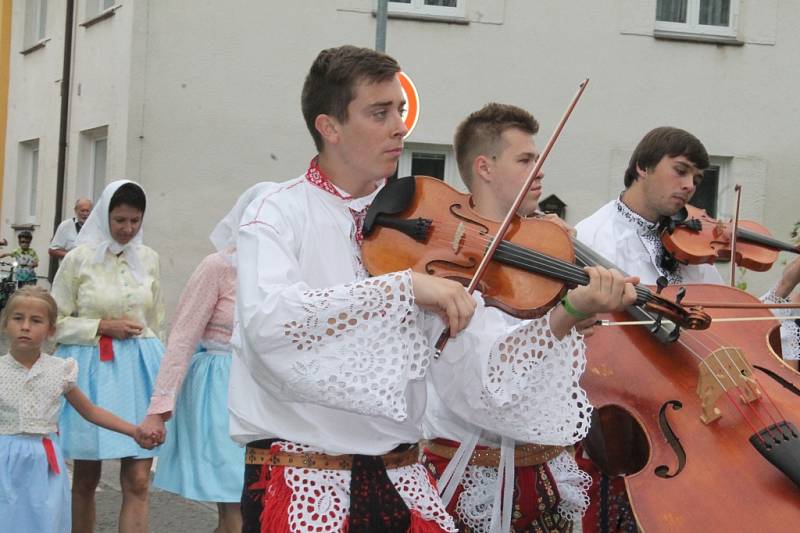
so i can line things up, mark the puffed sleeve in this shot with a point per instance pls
(353, 346)
(70, 328)
(195, 309)
(70, 374)
(155, 314)
(515, 378)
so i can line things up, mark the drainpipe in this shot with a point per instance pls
(63, 127)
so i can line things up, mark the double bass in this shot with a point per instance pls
(703, 425)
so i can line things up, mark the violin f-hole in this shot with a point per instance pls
(673, 441)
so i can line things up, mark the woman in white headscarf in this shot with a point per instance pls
(199, 460)
(110, 318)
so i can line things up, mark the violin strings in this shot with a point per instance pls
(696, 336)
(526, 258)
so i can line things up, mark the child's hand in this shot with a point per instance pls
(148, 441)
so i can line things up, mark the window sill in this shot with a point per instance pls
(420, 17)
(107, 14)
(697, 37)
(34, 47)
(24, 226)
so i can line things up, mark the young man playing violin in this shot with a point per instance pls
(662, 176)
(506, 448)
(328, 376)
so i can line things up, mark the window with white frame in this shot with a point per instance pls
(92, 162)
(433, 160)
(98, 172)
(698, 17)
(437, 8)
(35, 22)
(27, 182)
(95, 7)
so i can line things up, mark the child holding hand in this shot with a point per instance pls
(34, 486)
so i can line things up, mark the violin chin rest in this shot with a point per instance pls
(780, 445)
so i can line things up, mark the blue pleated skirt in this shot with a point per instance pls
(32, 498)
(122, 386)
(199, 460)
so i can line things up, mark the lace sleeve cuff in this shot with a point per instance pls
(357, 346)
(533, 385)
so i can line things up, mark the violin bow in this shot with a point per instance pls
(501, 232)
(738, 189)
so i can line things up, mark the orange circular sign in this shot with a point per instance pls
(412, 101)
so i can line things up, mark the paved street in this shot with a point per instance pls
(168, 513)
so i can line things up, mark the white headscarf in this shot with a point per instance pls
(223, 237)
(96, 233)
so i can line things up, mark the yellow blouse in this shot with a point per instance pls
(87, 292)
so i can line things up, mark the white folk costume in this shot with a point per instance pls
(102, 279)
(526, 405)
(328, 365)
(34, 484)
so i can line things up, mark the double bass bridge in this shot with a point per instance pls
(723, 370)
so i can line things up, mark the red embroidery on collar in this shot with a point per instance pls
(318, 178)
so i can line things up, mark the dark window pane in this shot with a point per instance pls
(444, 3)
(671, 10)
(705, 197)
(423, 164)
(715, 12)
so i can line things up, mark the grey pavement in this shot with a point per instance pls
(168, 512)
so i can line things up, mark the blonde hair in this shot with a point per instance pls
(31, 291)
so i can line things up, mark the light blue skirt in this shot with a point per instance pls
(32, 498)
(122, 386)
(199, 460)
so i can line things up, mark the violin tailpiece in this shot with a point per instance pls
(722, 370)
(780, 445)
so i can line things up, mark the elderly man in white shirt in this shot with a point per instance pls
(67, 232)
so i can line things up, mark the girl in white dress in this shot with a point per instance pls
(34, 486)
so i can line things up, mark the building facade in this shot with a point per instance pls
(198, 99)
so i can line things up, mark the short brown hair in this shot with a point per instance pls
(330, 84)
(31, 291)
(481, 133)
(669, 142)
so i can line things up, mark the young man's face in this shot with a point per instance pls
(371, 141)
(512, 167)
(669, 185)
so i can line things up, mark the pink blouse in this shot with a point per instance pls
(204, 316)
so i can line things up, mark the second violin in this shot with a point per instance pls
(692, 236)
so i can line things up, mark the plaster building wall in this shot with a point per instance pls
(202, 99)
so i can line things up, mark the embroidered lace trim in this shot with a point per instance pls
(790, 329)
(475, 503)
(363, 345)
(573, 484)
(321, 498)
(533, 385)
(648, 233)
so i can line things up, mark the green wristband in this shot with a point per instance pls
(572, 311)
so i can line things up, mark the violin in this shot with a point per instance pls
(693, 237)
(424, 224)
